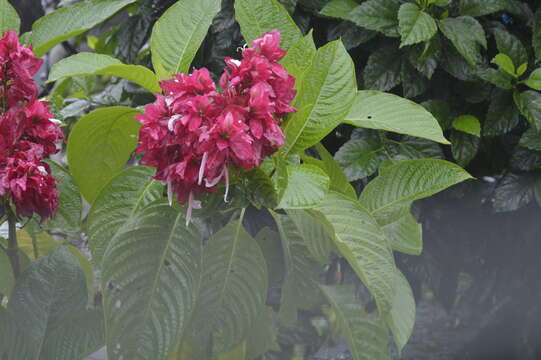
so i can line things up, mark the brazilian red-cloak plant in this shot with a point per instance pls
(195, 131)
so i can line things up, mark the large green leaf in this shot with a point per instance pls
(405, 234)
(338, 180)
(415, 25)
(150, 276)
(339, 9)
(117, 203)
(407, 181)
(306, 187)
(300, 289)
(402, 316)
(179, 32)
(365, 335)
(86, 63)
(233, 288)
(6, 280)
(326, 94)
(68, 215)
(262, 336)
(70, 21)
(360, 157)
(361, 241)
(257, 17)
(481, 7)
(466, 34)
(47, 316)
(99, 146)
(383, 111)
(299, 57)
(378, 15)
(9, 19)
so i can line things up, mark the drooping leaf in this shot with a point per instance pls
(415, 25)
(262, 336)
(511, 46)
(362, 242)
(85, 63)
(383, 70)
(9, 19)
(468, 124)
(300, 289)
(481, 7)
(402, 316)
(233, 287)
(407, 181)
(464, 147)
(99, 146)
(365, 335)
(70, 21)
(179, 32)
(405, 234)
(150, 276)
(307, 185)
(513, 192)
(466, 34)
(326, 94)
(257, 17)
(383, 111)
(116, 204)
(6, 280)
(378, 15)
(502, 115)
(338, 8)
(68, 215)
(46, 312)
(529, 105)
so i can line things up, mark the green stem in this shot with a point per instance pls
(13, 247)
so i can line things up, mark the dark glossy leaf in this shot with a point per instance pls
(410, 147)
(464, 147)
(259, 189)
(496, 77)
(536, 38)
(466, 34)
(413, 83)
(529, 105)
(456, 65)
(339, 8)
(351, 35)
(481, 7)
(511, 46)
(383, 70)
(360, 157)
(441, 110)
(531, 139)
(415, 25)
(525, 159)
(378, 15)
(512, 192)
(502, 115)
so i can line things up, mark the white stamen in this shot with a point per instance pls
(42, 170)
(55, 121)
(169, 100)
(235, 61)
(226, 184)
(202, 168)
(192, 204)
(171, 122)
(169, 192)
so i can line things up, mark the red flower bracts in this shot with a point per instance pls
(193, 132)
(27, 133)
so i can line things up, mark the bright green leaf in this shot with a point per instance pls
(299, 57)
(383, 111)
(178, 33)
(307, 186)
(45, 243)
(338, 8)
(468, 124)
(402, 316)
(405, 234)
(522, 69)
(86, 63)
(534, 80)
(9, 19)
(505, 63)
(99, 146)
(415, 25)
(338, 180)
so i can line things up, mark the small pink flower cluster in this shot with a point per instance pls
(28, 133)
(193, 132)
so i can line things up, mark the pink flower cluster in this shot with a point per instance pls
(193, 132)
(27, 133)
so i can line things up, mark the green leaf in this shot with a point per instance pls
(464, 147)
(6, 280)
(466, 34)
(413, 82)
(468, 124)
(68, 215)
(525, 160)
(300, 289)
(365, 334)
(45, 243)
(9, 19)
(338, 180)
(178, 33)
(536, 37)
(326, 94)
(233, 288)
(409, 180)
(411, 147)
(256, 17)
(299, 57)
(316, 231)
(531, 139)
(361, 241)
(270, 244)
(455, 64)
(513, 192)
(70, 21)
(505, 63)
(441, 110)
(481, 7)
(338, 8)
(511, 46)
(149, 276)
(415, 25)
(259, 189)
(529, 105)
(378, 15)
(262, 336)
(88, 270)
(402, 316)
(85, 63)
(496, 77)
(502, 115)
(405, 234)
(47, 316)
(534, 80)
(383, 111)
(307, 186)
(117, 203)
(360, 157)
(383, 69)
(99, 146)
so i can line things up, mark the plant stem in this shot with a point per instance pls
(13, 248)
